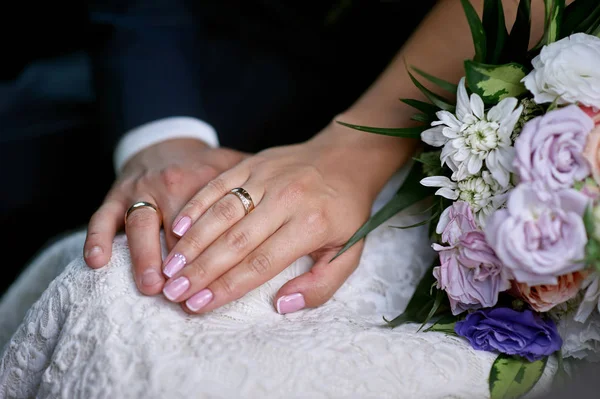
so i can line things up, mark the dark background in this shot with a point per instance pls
(75, 75)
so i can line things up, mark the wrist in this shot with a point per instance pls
(368, 160)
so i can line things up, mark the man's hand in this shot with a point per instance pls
(167, 175)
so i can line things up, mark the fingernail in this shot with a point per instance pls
(175, 288)
(199, 300)
(290, 303)
(93, 251)
(150, 277)
(175, 264)
(182, 226)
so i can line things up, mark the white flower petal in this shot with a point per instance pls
(507, 124)
(502, 110)
(448, 119)
(477, 106)
(447, 193)
(438, 181)
(462, 101)
(474, 164)
(443, 221)
(434, 136)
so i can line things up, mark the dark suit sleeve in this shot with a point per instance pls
(145, 62)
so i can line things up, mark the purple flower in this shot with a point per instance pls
(540, 235)
(549, 149)
(470, 272)
(505, 330)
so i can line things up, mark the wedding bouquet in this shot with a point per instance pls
(513, 167)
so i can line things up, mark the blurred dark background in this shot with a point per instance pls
(75, 75)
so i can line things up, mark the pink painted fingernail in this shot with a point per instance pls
(175, 264)
(182, 226)
(290, 303)
(175, 288)
(198, 301)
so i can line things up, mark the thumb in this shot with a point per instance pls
(318, 285)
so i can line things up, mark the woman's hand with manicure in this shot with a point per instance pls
(167, 175)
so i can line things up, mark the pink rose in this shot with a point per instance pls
(591, 152)
(544, 297)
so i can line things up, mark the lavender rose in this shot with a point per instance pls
(470, 272)
(540, 235)
(507, 331)
(549, 149)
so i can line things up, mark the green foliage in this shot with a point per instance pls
(494, 27)
(553, 10)
(436, 99)
(592, 248)
(477, 31)
(423, 305)
(579, 16)
(432, 165)
(406, 132)
(517, 45)
(495, 82)
(512, 377)
(450, 87)
(410, 192)
(444, 324)
(422, 106)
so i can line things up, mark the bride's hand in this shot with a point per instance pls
(167, 175)
(309, 198)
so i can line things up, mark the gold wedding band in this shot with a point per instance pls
(140, 205)
(245, 198)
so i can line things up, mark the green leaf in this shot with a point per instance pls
(436, 99)
(451, 87)
(432, 164)
(517, 44)
(512, 377)
(422, 106)
(410, 192)
(494, 26)
(407, 132)
(477, 31)
(440, 296)
(444, 324)
(495, 82)
(420, 304)
(553, 18)
(422, 118)
(576, 17)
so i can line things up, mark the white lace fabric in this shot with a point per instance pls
(92, 335)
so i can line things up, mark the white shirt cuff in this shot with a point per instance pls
(176, 127)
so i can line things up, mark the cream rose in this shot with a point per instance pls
(544, 297)
(567, 71)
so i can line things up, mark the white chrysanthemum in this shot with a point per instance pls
(471, 137)
(482, 192)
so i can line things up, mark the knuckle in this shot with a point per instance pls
(206, 172)
(317, 222)
(196, 204)
(197, 272)
(217, 185)
(193, 242)
(260, 264)
(236, 240)
(172, 175)
(228, 287)
(293, 191)
(225, 210)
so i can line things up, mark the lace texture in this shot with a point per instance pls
(89, 334)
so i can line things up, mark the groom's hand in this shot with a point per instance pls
(166, 175)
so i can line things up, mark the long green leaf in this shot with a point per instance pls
(517, 44)
(444, 324)
(495, 82)
(422, 302)
(440, 296)
(575, 16)
(422, 106)
(512, 377)
(554, 10)
(436, 99)
(409, 193)
(450, 87)
(406, 132)
(588, 23)
(477, 31)
(494, 26)
(422, 118)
